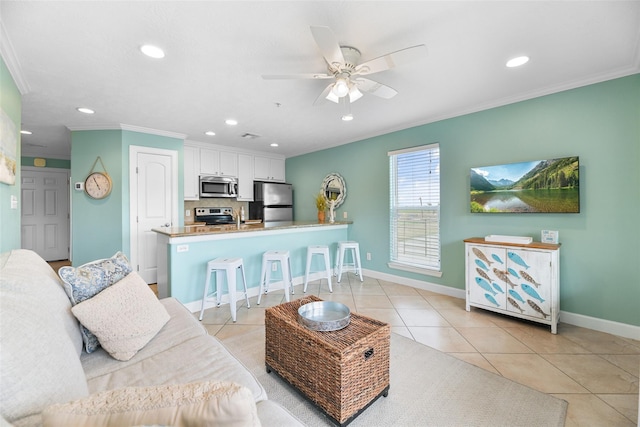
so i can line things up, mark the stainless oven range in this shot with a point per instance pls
(214, 216)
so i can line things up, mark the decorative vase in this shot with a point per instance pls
(320, 216)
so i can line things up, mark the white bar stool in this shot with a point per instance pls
(268, 258)
(318, 250)
(341, 252)
(230, 266)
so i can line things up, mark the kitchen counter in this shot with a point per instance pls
(183, 252)
(199, 230)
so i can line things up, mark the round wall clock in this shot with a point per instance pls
(97, 185)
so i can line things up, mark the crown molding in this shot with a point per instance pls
(10, 59)
(132, 128)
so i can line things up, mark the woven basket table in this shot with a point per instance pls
(342, 372)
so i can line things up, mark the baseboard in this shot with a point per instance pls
(601, 325)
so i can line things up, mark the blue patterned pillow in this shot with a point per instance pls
(82, 283)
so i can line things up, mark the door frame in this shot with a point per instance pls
(134, 150)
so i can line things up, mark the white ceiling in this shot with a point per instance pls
(63, 55)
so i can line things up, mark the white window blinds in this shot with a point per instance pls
(415, 206)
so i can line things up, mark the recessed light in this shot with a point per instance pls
(273, 144)
(210, 133)
(85, 110)
(518, 61)
(231, 122)
(347, 117)
(152, 51)
(26, 132)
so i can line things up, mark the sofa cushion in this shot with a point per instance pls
(86, 281)
(171, 359)
(194, 404)
(40, 339)
(124, 317)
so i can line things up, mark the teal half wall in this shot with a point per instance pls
(11, 108)
(600, 253)
(100, 228)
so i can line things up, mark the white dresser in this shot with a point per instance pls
(521, 280)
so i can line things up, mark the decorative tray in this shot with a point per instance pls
(324, 316)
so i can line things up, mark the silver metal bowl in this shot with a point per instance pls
(324, 316)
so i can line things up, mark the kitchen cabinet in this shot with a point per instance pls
(245, 178)
(190, 170)
(268, 169)
(520, 280)
(218, 163)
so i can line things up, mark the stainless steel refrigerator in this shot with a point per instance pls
(272, 202)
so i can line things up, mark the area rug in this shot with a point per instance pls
(428, 388)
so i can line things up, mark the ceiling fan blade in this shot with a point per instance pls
(297, 76)
(324, 95)
(391, 60)
(375, 88)
(328, 44)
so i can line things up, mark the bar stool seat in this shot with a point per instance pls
(228, 266)
(318, 250)
(341, 253)
(268, 258)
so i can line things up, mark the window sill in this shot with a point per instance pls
(412, 269)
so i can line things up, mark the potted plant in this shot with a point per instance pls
(321, 205)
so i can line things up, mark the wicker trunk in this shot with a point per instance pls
(342, 372)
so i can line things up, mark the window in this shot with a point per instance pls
(415, 208)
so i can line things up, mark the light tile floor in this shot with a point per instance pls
(597, 373)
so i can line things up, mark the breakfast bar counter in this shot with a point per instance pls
(183, 252)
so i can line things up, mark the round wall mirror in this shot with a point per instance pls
(334, 188)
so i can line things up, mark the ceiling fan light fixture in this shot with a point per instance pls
(354, 94)
(340, 87)
(332, 97)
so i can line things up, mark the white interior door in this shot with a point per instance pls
(45, 212)
(154, 204)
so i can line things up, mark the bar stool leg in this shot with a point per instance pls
(244, 283)
(286, 281)
(306, 274)
(206, 291)
(341, 254)
(231, 289)
(327, 266)
(263, 276)
(356, 261)
(293, 291)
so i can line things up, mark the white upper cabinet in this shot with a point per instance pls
(268, 169)
(245, 178)
(191, 166)
(218, 163)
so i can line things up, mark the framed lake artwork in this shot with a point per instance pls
(539, 186)
(8, 149)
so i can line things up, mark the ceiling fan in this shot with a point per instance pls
(346, 71)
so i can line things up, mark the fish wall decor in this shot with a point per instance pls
(516, 258)
(481, 255)
(515, 304)
(529, 279)
(537, 308)
(531, 292)
(503, 276)
(483, 274)
(492, 300)
(497, 258)
(516, 295)
(485, 285)
(513, 272)
(497, 287)
(482, 265)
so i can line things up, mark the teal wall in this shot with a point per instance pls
(101, 227)
(11, 104)
(600, 254)
(51, 163)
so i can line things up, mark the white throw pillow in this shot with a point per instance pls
(222, 404)
(124, 316)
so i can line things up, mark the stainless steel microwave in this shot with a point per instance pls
(218, 186)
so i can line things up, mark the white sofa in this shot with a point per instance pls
(42, 361)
